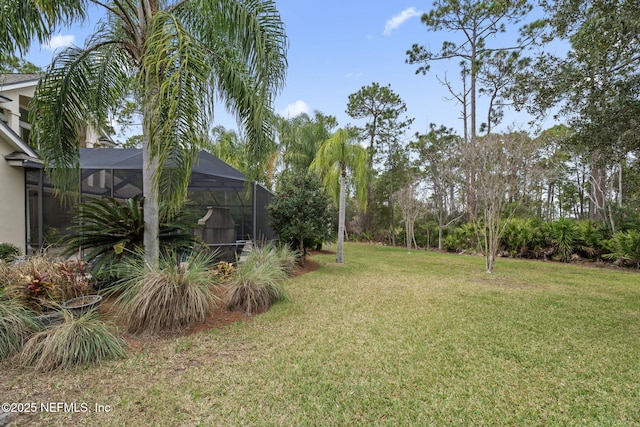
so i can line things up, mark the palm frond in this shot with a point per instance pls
(79, 88)
(179, 106)
(23, 21)
(247, 48)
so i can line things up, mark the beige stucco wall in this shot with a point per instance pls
(12, 201)
(17, 96)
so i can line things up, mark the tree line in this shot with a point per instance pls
(420, 189)
(412, 189)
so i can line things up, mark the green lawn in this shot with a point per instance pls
(389, 338)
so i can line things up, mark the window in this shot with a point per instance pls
(25, 126)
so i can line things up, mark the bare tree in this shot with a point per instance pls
(507, 169)
(439, 160)
(411, 208)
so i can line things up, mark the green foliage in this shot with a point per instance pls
(604, 43)
(519, 235)
(16, 325)
(281, 254)
(108, 230)
(625, 248)
(8, 252)
(169, 296)
(300, 211)
(465, 237)
(13, 64)
(301, 137)
(257, 283)
(564, 234)
(76, 342)
(538, 239)
(590, 239)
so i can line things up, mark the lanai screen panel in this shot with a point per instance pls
(117, 173)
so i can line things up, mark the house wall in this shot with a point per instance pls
(19, 98)
(12, 201)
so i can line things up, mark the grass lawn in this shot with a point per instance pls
(389, 338)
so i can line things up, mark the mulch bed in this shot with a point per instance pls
(218, 317)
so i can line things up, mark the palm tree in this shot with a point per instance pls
(338, 155)
(300, 138)
(176, 56)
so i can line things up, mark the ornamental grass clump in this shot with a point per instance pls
(17, 324)
(281, 254)
(76, 342)
(169, 296)
(257, 283)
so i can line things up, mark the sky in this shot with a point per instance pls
(336, 47)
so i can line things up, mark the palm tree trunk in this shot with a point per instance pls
(151, 239)
(341, 216)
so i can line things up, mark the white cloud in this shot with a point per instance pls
(295, 109)
(353, 75)
(60, 41)
(400, 19)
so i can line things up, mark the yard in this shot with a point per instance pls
(389, 338)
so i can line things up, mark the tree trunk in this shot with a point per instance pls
(440, 226)
(341, 215)
(151, 239)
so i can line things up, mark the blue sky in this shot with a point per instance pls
(337, 47)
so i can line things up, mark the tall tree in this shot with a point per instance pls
(181, 55)
(440, 162)
(13, 64)
(336, 157)
(595, 87)
(474, 24)
(300, 138)
(231, 148)
(411, 208)
(382, 108)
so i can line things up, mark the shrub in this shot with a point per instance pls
(288, 258)
(8, 252)
(40, 280)
(168, 296)
(564, 234)
(224, 270)
(625, 248)
(280, 254)
(108, 230)
(518, 236)
(257, 283)
(75, 342)
(590, 236)
(16, 325)
(465, 237)
(301, 212)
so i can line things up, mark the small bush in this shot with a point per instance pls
(75, 342)
(624, 248)
(40, 280)
(463, 238)
(16, 325)
(257, 283)
(280, 254)
(564, 233)
(108, 230)
(8, 252)
(167, 297)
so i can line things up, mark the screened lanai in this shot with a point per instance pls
(232, 209)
